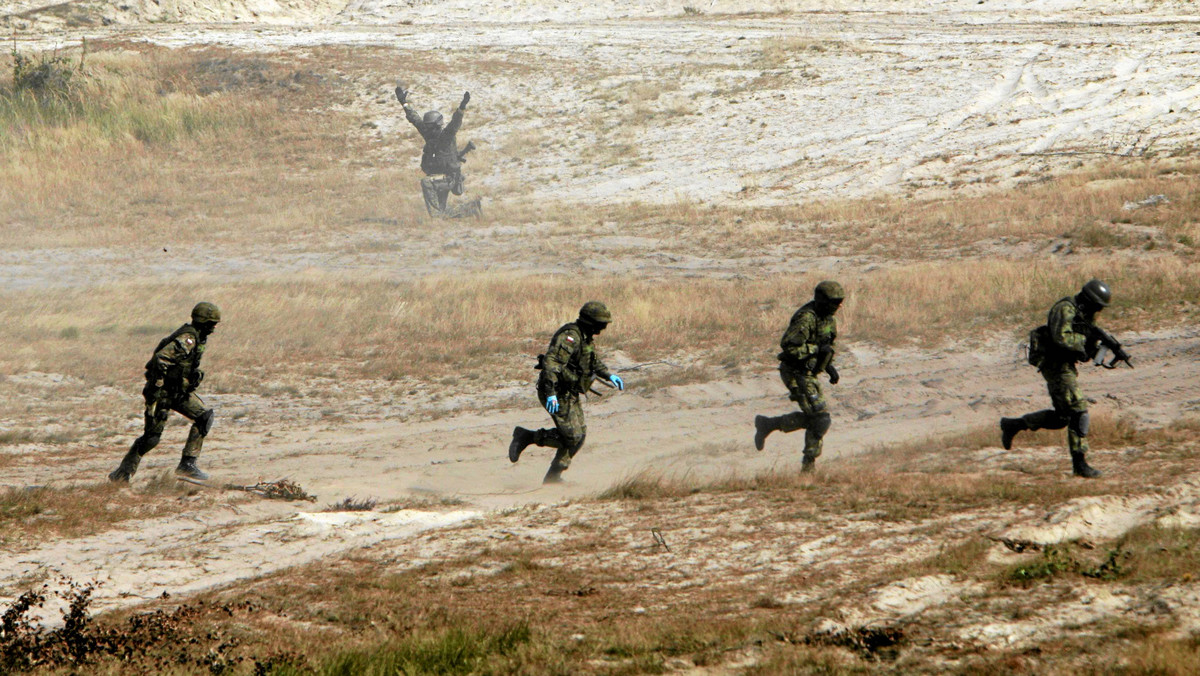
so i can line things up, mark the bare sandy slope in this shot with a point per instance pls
(292, 12)
(776, 109)
(698, 430)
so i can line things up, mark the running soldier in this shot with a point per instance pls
(172, 376)
(441, 158)
(568, 370)
(807, 351)
(1069, 336)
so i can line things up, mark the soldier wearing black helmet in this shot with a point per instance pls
(568, 369)
(172, 376)
(441, 158)
(807, 352)
(1072, 337)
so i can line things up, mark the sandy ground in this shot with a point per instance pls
(791, 107)
(695, 430)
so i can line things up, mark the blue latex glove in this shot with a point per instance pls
(617, 382)
(552, 404)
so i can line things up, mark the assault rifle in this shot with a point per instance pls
(462, 154)
(1109, 344)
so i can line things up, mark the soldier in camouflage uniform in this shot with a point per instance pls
(441, 159)
(172, 376)
(568, 369)
(807, 351)
(1072, 339)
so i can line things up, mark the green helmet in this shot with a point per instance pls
(205, 313)
(595, 312)
(1097, 292)
(829, 291)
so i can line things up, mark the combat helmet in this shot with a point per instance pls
(1097, 292)
(205, 313)
(829, 291)
(433, 117)
(595, 312)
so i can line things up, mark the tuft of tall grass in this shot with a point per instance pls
(447, 652)
(114, 107)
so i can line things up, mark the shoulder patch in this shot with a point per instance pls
(570, 338)
(187, 341)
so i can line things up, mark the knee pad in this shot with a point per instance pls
(1079, 423)
(204, 422)
(820, 424)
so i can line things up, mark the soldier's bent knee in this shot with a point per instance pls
(820, 424)
(1080, 422)
(204, 422)
(147, 443)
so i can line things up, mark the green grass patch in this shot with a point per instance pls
(445, 653)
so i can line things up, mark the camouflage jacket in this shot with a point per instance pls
(570, 363)
(1070, 333)
(176, 360)
(805, 335)
(440, 155)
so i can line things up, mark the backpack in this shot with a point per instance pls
(1039, 344)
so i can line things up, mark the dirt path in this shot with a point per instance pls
(695, 430)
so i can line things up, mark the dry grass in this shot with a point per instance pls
(31, 514)
(374, 327)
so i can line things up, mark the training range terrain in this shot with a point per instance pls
(661, 160)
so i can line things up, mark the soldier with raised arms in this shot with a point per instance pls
(441, 158)
(172, 376)
(568, 369)
(807, 352)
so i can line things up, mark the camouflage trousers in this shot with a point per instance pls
(159, 408)
(1070, 407)
(568, 433)
(436, 191)
(813, 416)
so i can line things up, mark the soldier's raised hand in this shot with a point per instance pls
(465, 101)
(402, 95)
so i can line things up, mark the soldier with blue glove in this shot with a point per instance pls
(568, 369)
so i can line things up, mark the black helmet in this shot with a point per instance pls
(1097, 292)
(595, 312)
(205, 313)
(829, 291)
(433, 117)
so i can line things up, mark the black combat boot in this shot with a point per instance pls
(809, 464)
(520, 439)
(560, 463)
(128, 467)
(1081, 468)
(187, 467)
(762, 427)
(1008, 429)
